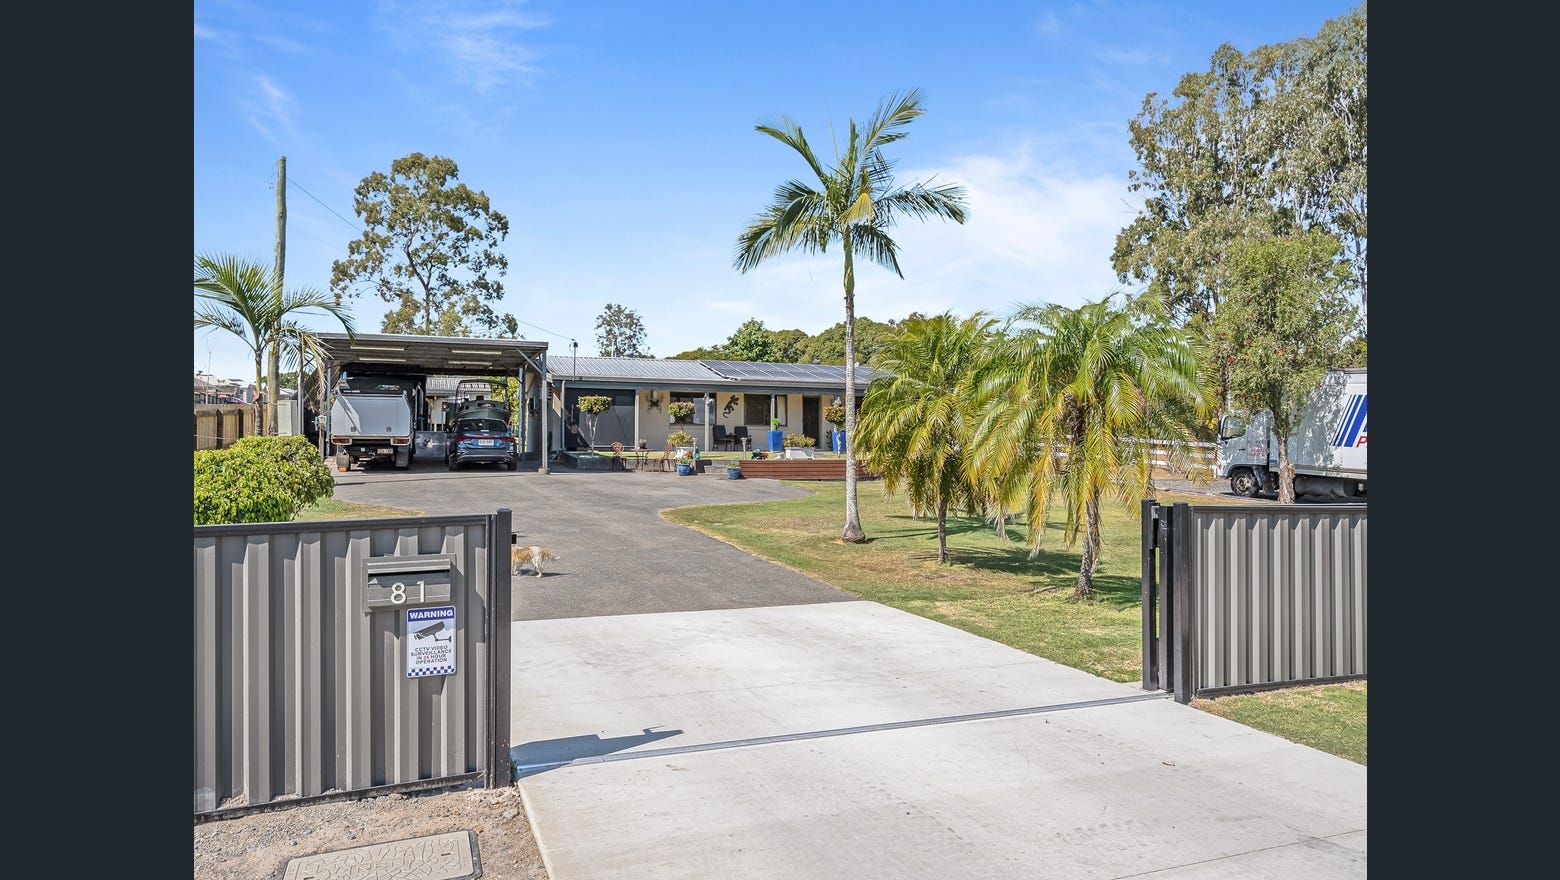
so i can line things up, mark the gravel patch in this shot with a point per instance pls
(254, 847)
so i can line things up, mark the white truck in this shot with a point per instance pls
(373, 418)
(1327, 449)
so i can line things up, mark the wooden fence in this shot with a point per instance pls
(217, 425)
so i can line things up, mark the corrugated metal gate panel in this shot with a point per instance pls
(1280, 595)
(298, 692)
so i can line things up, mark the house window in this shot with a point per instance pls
(755, 409)
(698, 407)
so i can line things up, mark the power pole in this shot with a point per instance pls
(272, 379)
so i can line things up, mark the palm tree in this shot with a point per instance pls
(855, 203)
(1067, 401)
(245, 299)
(915, 422)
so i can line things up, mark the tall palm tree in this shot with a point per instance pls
(855, 203)
(1068, 400)
(916, 420)
(244, 298)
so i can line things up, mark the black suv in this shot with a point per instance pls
(480, 438)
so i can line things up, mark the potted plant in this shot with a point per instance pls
(799, 446)
(680, 411)
(687, 453)
(592, 406)
(733, 471)
(776, 436)
(835, 416)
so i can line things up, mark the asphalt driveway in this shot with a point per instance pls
(618, 555)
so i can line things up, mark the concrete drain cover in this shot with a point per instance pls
(451, 856)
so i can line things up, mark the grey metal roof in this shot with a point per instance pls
(704, 375)
(429, 355)
(563, 366)
(787, 374)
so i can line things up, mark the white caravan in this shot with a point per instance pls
(1327, 449)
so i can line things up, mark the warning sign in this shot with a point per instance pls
(430, 641)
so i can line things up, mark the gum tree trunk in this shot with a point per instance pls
(1286, 472)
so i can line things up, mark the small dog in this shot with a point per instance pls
(519, 557)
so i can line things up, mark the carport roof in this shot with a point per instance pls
(430, 355)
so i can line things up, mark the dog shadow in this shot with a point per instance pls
(532, 574)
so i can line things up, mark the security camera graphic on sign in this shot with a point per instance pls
(432, 631)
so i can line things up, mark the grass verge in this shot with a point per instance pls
(994, 590)
(336, 508)
(1329, 717)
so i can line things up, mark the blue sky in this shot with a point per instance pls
(618, 138)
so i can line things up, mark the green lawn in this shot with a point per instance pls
(335, 508)
(1327, 717)
(992, 588)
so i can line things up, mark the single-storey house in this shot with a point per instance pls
(730, 398)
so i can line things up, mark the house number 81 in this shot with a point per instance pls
(398, 593)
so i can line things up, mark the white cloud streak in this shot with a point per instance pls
(482, 45)
(271, 107)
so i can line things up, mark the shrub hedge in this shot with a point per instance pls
(259, 479)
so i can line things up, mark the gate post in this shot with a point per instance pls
(1150, 514)
(500, 770)
(1184, 536)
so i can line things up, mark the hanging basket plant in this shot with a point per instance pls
(680, 410)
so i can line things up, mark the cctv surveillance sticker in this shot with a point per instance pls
(430, 641)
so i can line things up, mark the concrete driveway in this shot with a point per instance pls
(619, 556)
(683, 710)
(854, 740)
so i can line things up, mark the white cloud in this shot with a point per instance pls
(1117, 55)
(481, 43)
(271, 107)
(1037, 231)
(1048, 24)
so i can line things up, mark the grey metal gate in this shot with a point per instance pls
(304, 658)
(1252, 596)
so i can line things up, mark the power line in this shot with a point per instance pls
(545, 330)
(293, 182)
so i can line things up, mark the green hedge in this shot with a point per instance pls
(259, 479)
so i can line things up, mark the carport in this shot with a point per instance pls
(396, 354)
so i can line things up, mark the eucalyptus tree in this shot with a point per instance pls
(854, 203)
(1284, 324)
(429, 248)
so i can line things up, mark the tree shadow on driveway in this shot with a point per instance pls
(552, 753)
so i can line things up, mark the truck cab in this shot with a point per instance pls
(1242, 455)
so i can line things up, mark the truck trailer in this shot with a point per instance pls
(1327, 449)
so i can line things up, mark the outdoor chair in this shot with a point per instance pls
(721, 439)
(664, 463)
(739, 436)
